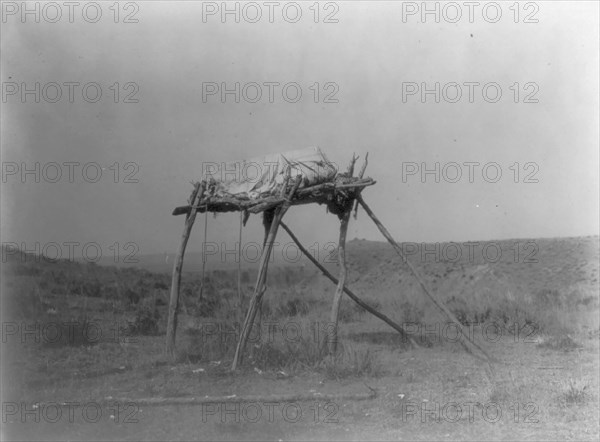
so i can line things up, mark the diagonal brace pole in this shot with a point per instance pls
(465, 340)
(349, 292)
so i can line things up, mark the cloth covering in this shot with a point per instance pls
(260, 177)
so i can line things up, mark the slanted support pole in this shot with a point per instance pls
(177, 266)
(349, 292)
(259, 288)
(467, 343)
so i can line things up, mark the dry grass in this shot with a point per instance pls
(548, 315)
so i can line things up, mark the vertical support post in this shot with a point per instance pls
(337, 297)
(202, 276)
(339, 290)
(259, 288)
(177, 266)
(268, 217)
(239, 270)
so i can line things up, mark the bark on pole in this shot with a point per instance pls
(259, 288)
(464, 339)
(177, 266)
(349, 292)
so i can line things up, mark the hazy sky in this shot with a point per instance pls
(370, 56)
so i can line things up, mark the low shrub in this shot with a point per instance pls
(145, 322)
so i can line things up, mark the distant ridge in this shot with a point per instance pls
(364, 253)
(356, 249)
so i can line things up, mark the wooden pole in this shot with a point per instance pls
(177, 266)
(259, 288)
(268, 217)
(203, 257)
(337, 297)
(360, 175)
(465, 340)
(349, 292)
(239, 272)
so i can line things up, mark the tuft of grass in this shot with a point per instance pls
(560, 343)
(499, 395)
(268, 356)
(353, 362)
(575, 393)
(76, 333)
(293, 307)
(145, 322)
(307, 352)
(215, 340)
(513, 391)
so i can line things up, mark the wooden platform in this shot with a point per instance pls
(324, 193)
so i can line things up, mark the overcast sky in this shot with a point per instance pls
(370, 61)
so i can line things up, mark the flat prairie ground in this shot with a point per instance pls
(83, 352)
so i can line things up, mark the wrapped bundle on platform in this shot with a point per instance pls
(256, 184)
(262, 177)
